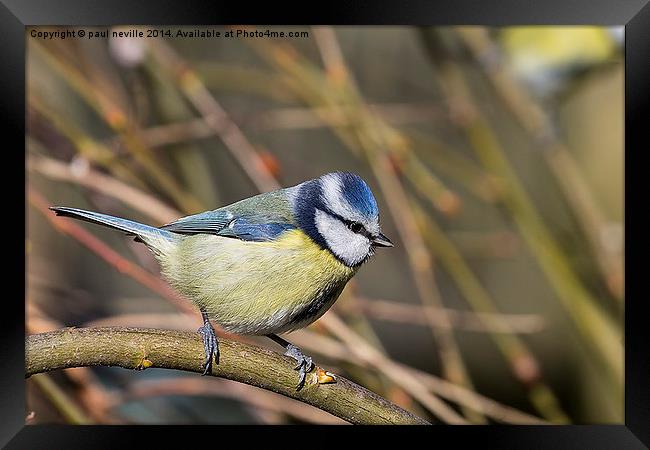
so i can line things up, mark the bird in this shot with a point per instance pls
(268, 264)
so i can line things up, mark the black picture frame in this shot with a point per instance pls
(15, 15)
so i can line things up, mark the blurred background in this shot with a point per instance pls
(496, 156)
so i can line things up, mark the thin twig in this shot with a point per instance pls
(107, 185)
(109, 255)
(391, 369)
(599, 332)
(252, 396)
(70, 411)
(295, 118)
(215, 116)
(354, 347)
(536, 121)
(115, 117)
(462, 320)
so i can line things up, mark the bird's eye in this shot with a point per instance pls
(356, 227)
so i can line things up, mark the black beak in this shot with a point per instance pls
(381, 241)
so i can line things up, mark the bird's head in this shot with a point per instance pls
(339, 212)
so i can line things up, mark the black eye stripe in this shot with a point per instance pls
(348, 223)
(351, 225)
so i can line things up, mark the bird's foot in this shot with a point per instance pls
(304, 363)
(210, 345)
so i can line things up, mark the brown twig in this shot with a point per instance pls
(118, 119)
(252, 396)
(96, 181)
(354, 350)
(462, 320)
(599, 332)
(108, 254)
(60, 399)
(398, 374)
(215, 116)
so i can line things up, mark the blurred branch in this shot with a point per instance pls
(108, 254)
(366, 352)
(174, 133)
(535, 120)
(305, 118)
(387, 310)
(85, 146)
(107, 185)
(70, 411)
(451, 162)
(133, 348)
(421, 263)
(291, 118)
(357, 350)
(428, 185)
(487, 244)
(214, 115)
(597, 330)
(250, 395)
(245, 79)
(523, 363)
(479, 183)
(117, 119)
(94, 397)
(462, 320)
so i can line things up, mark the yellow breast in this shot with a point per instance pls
(257, 287)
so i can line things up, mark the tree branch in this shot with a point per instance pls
(137, 348)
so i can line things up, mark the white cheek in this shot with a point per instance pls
(347, 245)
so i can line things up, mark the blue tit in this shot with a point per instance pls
(268, 264)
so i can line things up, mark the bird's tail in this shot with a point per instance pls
(159, 241)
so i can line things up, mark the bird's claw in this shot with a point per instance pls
(210, 345)
(304, 363)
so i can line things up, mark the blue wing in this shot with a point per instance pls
(242, 220)
(247, 231)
